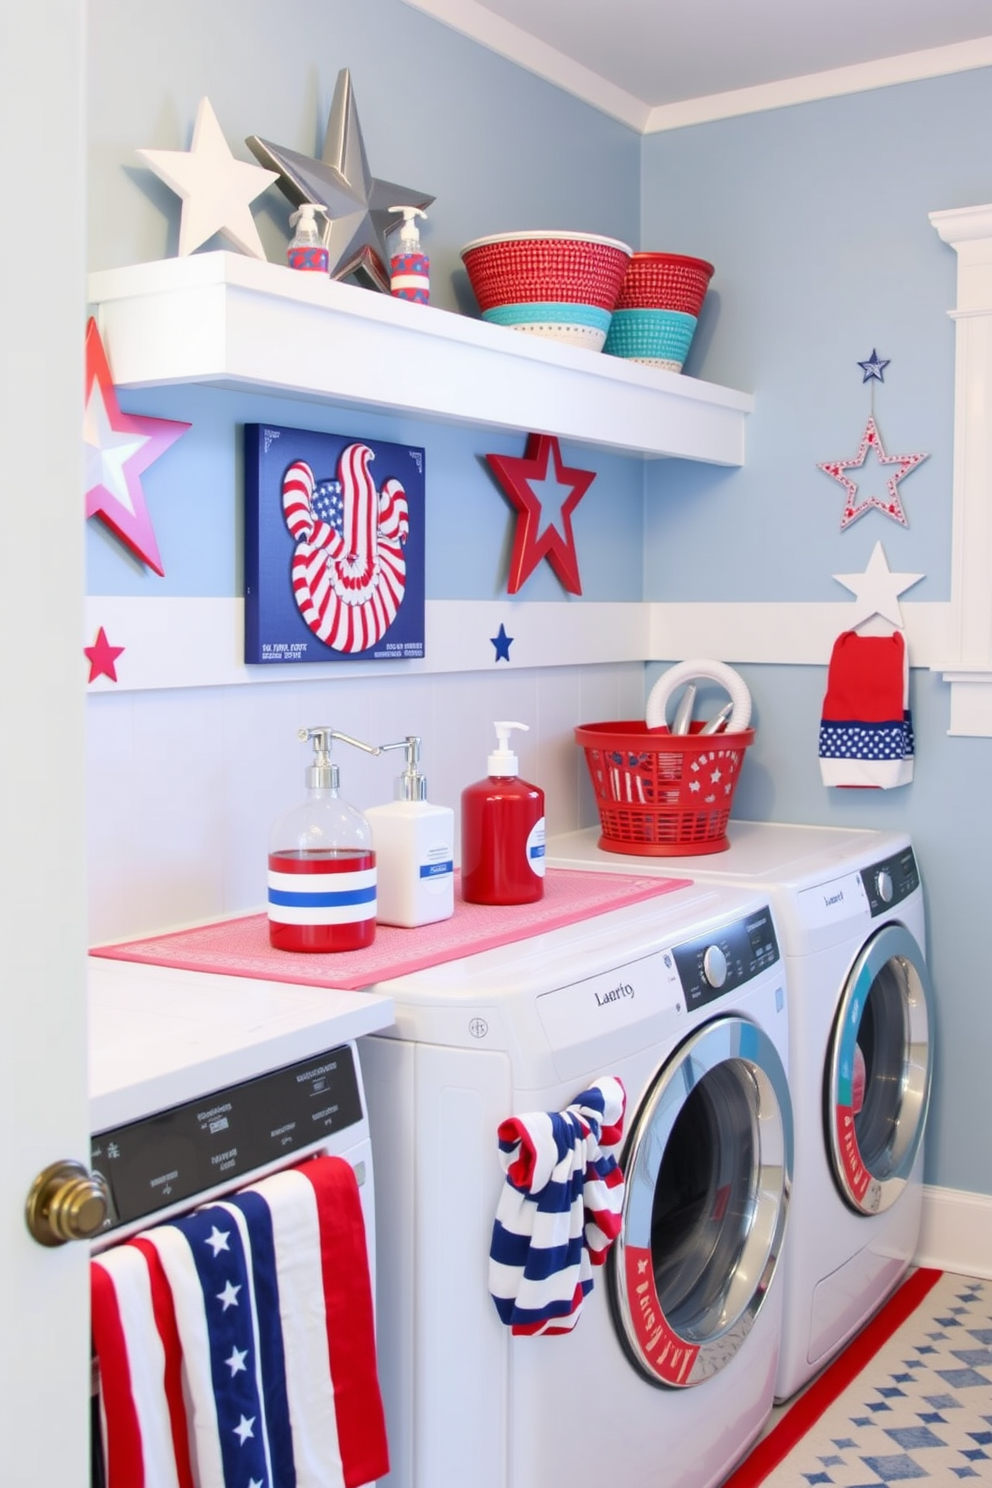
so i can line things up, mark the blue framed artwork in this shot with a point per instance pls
(334, 547)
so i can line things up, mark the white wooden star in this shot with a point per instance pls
(877, 589)
(216, 189)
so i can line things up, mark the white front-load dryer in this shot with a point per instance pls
(669, 1373)
(849, 906)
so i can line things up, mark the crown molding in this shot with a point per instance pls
(862, 77)
(517, 45)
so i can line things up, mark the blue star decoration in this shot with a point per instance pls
(502, 642)
(873, 367)
(545, 492)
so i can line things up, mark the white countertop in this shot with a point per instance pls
(159, 1037)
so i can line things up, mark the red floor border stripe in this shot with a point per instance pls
(824, 1390)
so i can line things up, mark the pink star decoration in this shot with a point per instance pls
(119, 446)
(890, 505)
(545, 493)
(101, 657)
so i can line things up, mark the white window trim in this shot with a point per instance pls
(968, 666)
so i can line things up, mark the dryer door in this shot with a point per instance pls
(878, 1071)
(708, 1169)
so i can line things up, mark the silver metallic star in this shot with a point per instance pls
(356, 202)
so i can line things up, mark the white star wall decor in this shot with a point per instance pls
(876, 590)
(216, 190)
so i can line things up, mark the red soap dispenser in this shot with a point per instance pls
(503, 832)
(321, 863)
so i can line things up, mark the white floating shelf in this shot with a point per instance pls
(236, 322)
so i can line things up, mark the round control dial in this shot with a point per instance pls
(883, 883)
(714, 966)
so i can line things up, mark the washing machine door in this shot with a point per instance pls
(878, 1072)
(708, 1169)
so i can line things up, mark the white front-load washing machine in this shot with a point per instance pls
(669, 1372)
(849, 906)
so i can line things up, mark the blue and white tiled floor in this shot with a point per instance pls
(921, 1410)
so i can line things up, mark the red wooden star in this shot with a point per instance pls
(891, 506)
(119, 446)
(101, 656)
(545, 500)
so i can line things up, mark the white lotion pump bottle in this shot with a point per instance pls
(414, 848)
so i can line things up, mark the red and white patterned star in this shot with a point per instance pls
(119, 446)
(890, 504)
(545, 493)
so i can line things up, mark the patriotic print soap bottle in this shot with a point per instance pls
(409, 267)
(307, 250)
(321, 862)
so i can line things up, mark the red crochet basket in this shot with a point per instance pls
(661, 794)
(563, 268)
(665, 281)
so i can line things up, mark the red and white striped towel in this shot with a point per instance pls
(236, 1345)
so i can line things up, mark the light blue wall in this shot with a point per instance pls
(816, 219)
(499, 148)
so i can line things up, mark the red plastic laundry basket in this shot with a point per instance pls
(661, 794)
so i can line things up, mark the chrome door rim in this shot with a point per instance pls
(665, 1353)
(870, 1184)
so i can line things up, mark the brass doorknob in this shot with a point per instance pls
(66, 1203)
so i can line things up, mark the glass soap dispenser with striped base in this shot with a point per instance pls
(322, 874)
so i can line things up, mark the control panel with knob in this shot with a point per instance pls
(714, 966)
(890, 881)
(718, 963)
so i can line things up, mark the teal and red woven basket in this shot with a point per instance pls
(658, 308)
(661, 794)
(561, 285)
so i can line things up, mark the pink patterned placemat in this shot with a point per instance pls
(241, 947)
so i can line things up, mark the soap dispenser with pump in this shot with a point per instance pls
(322, 870)
(307, 250)
(414, 847)
(503, 832)
(409, 266)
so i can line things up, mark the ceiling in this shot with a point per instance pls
(657, 63)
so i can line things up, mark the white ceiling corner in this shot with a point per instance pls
(657, 65)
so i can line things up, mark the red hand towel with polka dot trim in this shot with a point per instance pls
(866, 732)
